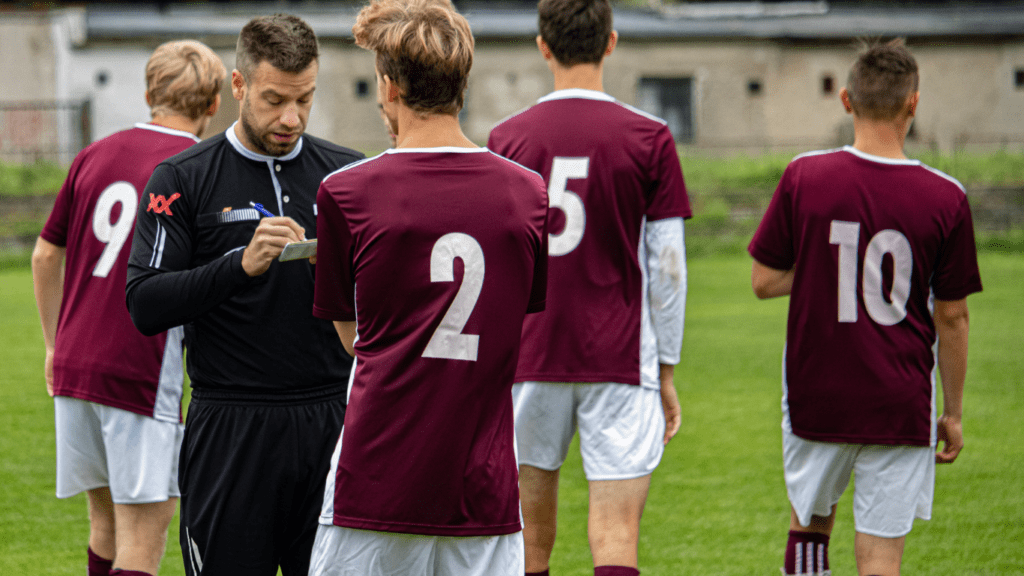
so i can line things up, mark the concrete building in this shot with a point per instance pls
(736, 76)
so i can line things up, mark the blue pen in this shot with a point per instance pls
(259, 208)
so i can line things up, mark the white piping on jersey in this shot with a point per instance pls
(166, 130)
(816, 153)
(233, 250)
(514, 162)
(158, 247)
(350, 166)
(167, 407)
(599, 96)
(889, 161)
(269, 160)
(437, 150)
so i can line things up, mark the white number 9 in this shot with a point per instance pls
(116, 234)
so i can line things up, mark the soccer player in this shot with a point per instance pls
(433, 252)
(117, 393)
(877, 254)
(601, 357)
(268, 379)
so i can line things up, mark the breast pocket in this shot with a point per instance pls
(223, 232)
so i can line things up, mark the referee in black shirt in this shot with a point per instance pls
(269, 380)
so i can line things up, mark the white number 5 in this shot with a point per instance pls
(448, 340)
(562, 169)
(847, 236)
(116, 234)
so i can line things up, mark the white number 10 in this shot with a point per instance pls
(116, 234)
(847, 236)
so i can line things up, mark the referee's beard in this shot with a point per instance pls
(261, 139)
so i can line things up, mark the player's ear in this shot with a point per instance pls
(214, 107)
(545, 51)
(912, 104)
(613, 39)
(391, 92)
(237, 85)
(149, 99)
(844, 96)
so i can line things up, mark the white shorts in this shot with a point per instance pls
(621, 427)
(893, 484)
(97, 446)
(339, 551)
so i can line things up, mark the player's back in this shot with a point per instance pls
(871, 241)
(447, 257)
(100, 356)
(609, 169)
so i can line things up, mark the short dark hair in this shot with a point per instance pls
(881, 79)
(286, 41)
(576, 31)
(424, 46)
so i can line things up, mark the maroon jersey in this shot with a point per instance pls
(100, 356)
(438, 254)
(871, 241)
(609, 169)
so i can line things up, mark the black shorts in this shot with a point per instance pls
(252, 473)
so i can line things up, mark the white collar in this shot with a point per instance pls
(241, 149)
(166, 130)
(577, 93)
(881, 159)
(436, 150)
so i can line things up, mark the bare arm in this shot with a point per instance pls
(347, 333)
(769, 282)
(670, 402)
(951, 325)
(48, 283)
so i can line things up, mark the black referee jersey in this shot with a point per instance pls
(194, 221)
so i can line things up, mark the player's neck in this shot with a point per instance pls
(435, 131)
(181, 123)
(580, 76)
(880, 138)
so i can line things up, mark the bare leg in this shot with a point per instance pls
(101, 522)
(878, 556)
(614, 522)
(538, 490)
(142, 534)
(819, 524)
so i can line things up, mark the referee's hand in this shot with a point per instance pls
(268, 241)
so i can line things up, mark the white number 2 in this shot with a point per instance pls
(847, 236)
(448, 341)
(562, 169)
(116, 234)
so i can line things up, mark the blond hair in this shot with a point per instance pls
(183, 78)
(424, 46)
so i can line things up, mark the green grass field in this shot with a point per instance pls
(717, 503)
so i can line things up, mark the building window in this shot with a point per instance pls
(754, 87)
(362, 88)
(672, 100)
(1018, 79)
(828, 85)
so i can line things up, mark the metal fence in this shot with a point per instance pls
(52, 131)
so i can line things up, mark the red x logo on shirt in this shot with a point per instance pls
(162, 205)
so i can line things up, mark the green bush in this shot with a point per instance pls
(36, 179)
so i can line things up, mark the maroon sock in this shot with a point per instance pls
(544, 573)
(119, 572)
(615, 571)
(98, 566)
(806, 553)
